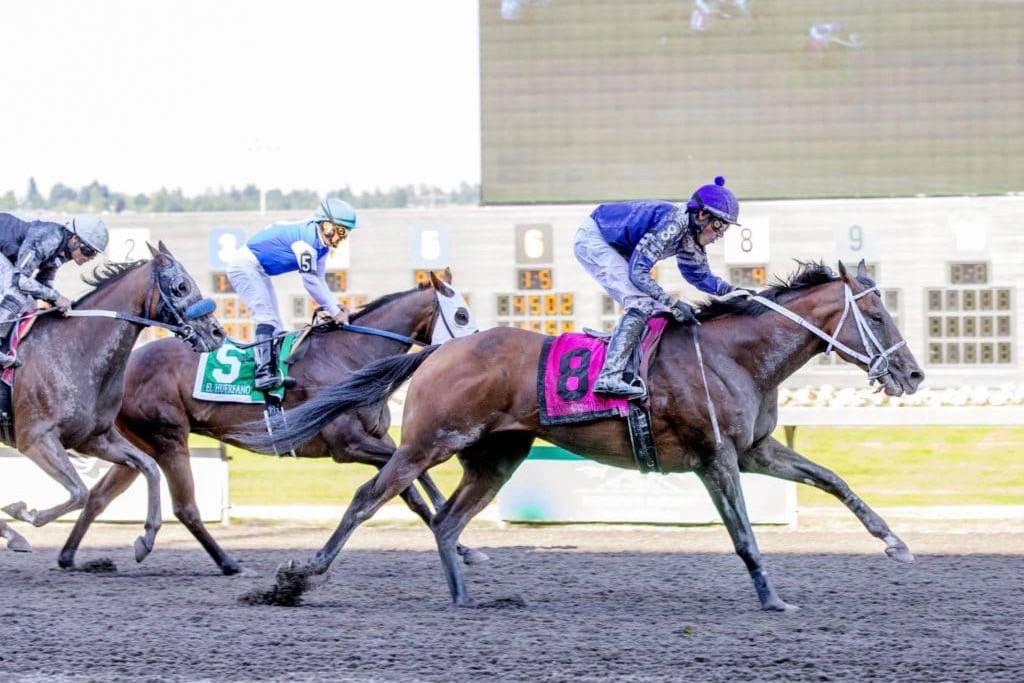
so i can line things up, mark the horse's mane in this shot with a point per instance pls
(808, 274)
(383, 301)
(107, 274)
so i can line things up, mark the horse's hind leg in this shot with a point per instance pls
(487, 465)
(15, 541)
(721, 477)
(115, 482)
(401, 470)
(469, 555)
(46, 451)
(113, 447)
(775, 459)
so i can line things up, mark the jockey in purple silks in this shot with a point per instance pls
(619, 245)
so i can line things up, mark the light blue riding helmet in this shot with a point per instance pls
(337, 211)
(91, 230)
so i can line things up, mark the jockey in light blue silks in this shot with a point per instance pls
(287, 247)
(619, 245)
(31, 252)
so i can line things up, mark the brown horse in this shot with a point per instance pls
(68, 391)
(159, 411)
(478, 397)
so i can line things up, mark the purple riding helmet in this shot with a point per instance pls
(717, 200)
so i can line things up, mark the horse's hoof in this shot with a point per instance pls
(20, 511)
(467, 602)
(143, 547)
(900, 552)
(18, 544)
(473, 556)
(779, 606)
(66, 562)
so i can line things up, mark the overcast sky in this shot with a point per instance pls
(198, 93)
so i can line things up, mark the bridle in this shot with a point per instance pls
(875, 356)
(157, 305)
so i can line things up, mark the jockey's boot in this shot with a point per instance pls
(266, 378)
(624, 340)
(10, 310)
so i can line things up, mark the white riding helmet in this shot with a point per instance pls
(91, 230)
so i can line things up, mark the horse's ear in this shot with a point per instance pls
(440, 285)
(862, 269)
(448, 274)
(152, 250)
(842, 271)
(164, 249)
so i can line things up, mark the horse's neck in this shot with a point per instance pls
(402, 316)
(127, 295)
(784, 346)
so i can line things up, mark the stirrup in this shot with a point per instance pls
(619, 387)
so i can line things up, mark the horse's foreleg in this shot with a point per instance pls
(775, 459)
(46, 451)
(115, 482)
(113, 447)
(175, 463)
(721, 477)
(15, 541)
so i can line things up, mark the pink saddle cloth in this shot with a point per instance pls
(568, 368)
(20, 332)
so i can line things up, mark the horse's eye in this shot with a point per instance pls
(462, 317)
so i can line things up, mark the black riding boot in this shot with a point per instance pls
(267, 378)
(10, 310)
(624, 340)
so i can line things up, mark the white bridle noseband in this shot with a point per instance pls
(875, 356)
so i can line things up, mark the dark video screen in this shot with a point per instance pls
(598, 100)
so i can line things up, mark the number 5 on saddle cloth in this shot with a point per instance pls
(568, 367)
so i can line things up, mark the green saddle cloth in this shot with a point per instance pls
(227, 375)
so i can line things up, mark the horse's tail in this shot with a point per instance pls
(369, 386)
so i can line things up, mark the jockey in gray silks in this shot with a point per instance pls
(31, 252)
(619, 245)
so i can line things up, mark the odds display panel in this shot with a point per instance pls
(597, 100)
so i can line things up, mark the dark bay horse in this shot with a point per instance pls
(159, 411)
(68, 391)
(477, 397)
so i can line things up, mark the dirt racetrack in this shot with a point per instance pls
(602, 602)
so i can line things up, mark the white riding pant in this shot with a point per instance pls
(254, 286)
(8, 287)
(610, 269)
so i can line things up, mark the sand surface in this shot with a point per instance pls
(601, 603)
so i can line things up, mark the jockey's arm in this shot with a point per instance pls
(692, 264)
(34, 249)
(660, 242)
(314, 272)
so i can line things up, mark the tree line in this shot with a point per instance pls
(98, 198)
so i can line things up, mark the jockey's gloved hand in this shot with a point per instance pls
(341, 317)
(683, 312)
(62, 303)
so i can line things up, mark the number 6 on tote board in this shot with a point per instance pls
(748, 243)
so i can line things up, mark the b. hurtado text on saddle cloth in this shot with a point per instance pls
(568, 368)
(228, 374)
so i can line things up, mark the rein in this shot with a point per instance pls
(357, 329)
